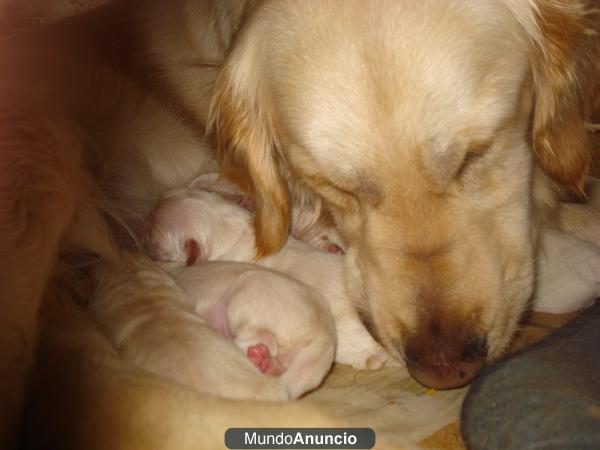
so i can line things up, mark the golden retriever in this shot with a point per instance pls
(420, 128)
(418, 125)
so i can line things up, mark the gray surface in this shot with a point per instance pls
(546, 397)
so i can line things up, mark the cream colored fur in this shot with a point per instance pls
(222, 231)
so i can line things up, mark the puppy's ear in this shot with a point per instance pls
(565, 70)
(241, 129)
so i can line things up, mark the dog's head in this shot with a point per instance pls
(418, 125)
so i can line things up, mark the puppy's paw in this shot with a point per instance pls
(376, 360)
(369, 360)
(356, 347)
(260, 355)
(262, 348)
(393, 362)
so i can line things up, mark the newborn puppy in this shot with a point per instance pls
(194, 224)
(220, 229)
(152, 322)
(284, 327)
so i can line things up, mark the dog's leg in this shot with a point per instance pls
(39, 171)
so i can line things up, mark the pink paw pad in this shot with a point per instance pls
(260, 356)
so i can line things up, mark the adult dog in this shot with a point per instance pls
(416, 126)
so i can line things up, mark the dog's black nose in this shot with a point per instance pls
(444, 361)
(451, 376)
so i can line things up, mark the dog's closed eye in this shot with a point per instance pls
(472, 158)
(445, 164)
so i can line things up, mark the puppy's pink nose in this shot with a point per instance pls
(444, 363)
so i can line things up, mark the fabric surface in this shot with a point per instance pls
(547, 397)
(389, 401)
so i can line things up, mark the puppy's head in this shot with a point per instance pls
(195, 225)
(417, 124)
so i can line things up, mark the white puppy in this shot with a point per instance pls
(151, 321)
(568, 260)
(284, 327)
(568, 276)
(195, 224)
(155, 325)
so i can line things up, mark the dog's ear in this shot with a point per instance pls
(241, 129)
(564, 58)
